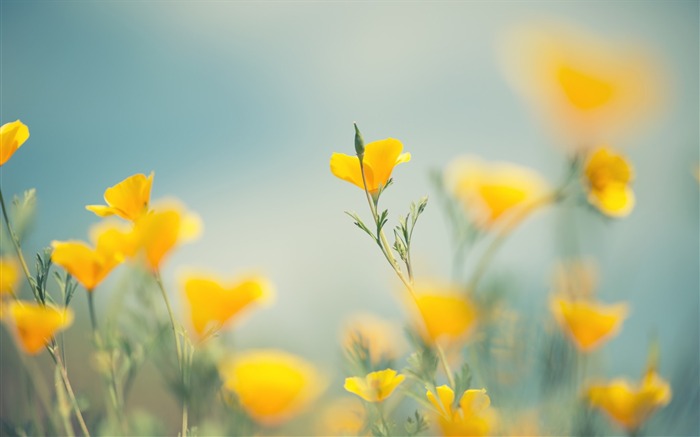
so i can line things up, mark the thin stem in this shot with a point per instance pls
(33, 377)
(15, 242)
(445, 365)
(71, 394)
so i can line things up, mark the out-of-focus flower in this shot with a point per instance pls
(9, 276)
(213, 304)
(344, 416)
(379, 161)
(375, 386)
(586, 322)
(444, 314)
(587, 89)
(161, 230)
(382, 338)
(272, 386)
(473, 416)
(492, 191)
(128, 199)
(12, 136)
(629, 404)
(91, 266)
(36, 324)
(607, 176)
(576, 278)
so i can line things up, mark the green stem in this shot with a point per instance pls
(15, 242)
(445, 365)
(71, 394)
(36, 381)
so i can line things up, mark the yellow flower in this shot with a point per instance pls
(589, 89)
(160, 231)
(213, 305)
(344, 416)
(491, 191)
(91, 266)
(376, 386)
(608, 176)
(36, 324)
(382, 338)
(272, 386)
(128, 199)
(379, 161)
(588, 323)
(12, 136)
(473, 416)
(9, 276)
(444, 314)
(631, 405)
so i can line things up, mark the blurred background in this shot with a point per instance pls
(237, 107)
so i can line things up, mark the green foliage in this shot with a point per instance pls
(416, 424)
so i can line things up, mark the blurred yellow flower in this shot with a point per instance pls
(490, 191)
(128, 199)
(9, 276)
(161, 230)
(91, 266)
(473, 416)
(36, 324)
(12, 136)
(213, 305)
(586, 322)
(272, 386)
(608, 175)
(379, 161)
(382, 338)
(375, 386)
(444, 313)
(588, 89)
(631, 405)
(342, 417)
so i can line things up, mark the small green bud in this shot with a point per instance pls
(359, 142)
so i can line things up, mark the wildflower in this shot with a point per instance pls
(9, 276)
(588, 89)
(272, 386)
(12, 136)
(382, 338)
(90, 266)
(588, 323)
(128, 199)
(444, 314)
(375, 386)
(36, 324)
(607, 176)
(343, 416)
(160, 231)
(212, 303)
(628, 404)
(491, 191)
(472, 417)
(380, 158)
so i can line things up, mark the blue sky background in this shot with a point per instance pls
(237, 107)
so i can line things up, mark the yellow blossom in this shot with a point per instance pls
(587, 88)
(272, 386)
(128, 199)
(472, 417)
(375, 386)
(379, 161)
(588, 323)
(607, 176)
(36, 324)
(382, 338)
(628, 404)
(342, 417)
(12, 136)
(90, 266)
(213, 304)
(490, 191)
(160, 231)
(9, 276)
(444, 314)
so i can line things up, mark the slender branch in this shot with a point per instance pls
(445, 365)
(71, 394)
(15, 242)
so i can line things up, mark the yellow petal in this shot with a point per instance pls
(9, 276)
(615, 200)
(444, 314)
(128, 199)
(474, 401)
(446, 397)
(12, 136)
(347, 168)
(375, 386)
(382, 156)
(35, 324)
(588, 324)
(272, 386)
(81, 261)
